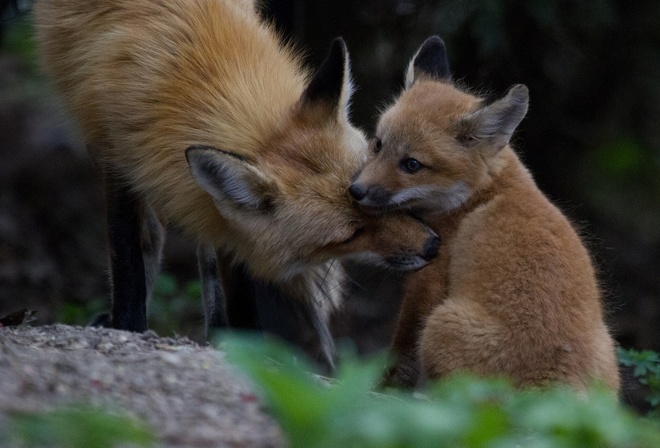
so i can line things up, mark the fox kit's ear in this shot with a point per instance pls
(495, 122)
(430, 62)
(331, 85)
(229, 177)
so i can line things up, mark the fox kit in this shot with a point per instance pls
(513, 291)
(201, 119)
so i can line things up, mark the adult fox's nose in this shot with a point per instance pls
(357, 191)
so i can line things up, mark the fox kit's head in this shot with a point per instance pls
(436, 145)
(289, 207)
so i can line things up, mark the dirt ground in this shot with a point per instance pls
(186, 392)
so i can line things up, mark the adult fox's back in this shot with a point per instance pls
(138, 77)
(198, 115)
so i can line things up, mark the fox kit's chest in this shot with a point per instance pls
(457, 232)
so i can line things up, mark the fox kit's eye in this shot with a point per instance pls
(378, 145)
(411, 165)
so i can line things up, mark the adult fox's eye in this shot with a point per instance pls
(411, 165)
(378, 145)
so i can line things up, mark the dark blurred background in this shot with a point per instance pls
(591, 139)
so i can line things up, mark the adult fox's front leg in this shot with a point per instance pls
(125, 214)
(228, 292)
(235, 299)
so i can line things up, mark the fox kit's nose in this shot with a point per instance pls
(357, 191)
(431, 248)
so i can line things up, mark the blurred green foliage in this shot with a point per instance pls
(460, 411)
(646, 365)
(18, 41)
(621, 180)
(623, 160)
(173, 306)
(77, 427)
(80, 313)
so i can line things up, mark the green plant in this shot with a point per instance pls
(19, 41)
(460, 411)
(174, 304)
(80, 313)
(646, 368)
(78, 427)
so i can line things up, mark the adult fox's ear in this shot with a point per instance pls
(494, 123)
(229, 178)
(331, 86)
(430, 62)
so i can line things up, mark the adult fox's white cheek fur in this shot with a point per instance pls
(199, 115)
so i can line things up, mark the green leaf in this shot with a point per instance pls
(459, 411)
(194, 289)
(80, 427)
(622, 159)
(165, 285)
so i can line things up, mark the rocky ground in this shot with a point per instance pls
(186, 392)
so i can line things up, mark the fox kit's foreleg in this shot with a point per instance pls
(135, 242)
(421, 295)
(406, 370)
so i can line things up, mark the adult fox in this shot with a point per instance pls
(200, 118)
(513, 291)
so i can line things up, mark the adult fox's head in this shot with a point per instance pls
(436, 145)
(289, 206)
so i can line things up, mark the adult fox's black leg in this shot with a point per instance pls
(213, 295)
(124, 212)
(153, 240)
(234, 299)
(239, 294)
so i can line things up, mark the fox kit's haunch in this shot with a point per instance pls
(513, 291)
(200, 117)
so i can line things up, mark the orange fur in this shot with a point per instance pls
(513, 291)
(147, 79)
(199, 117)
